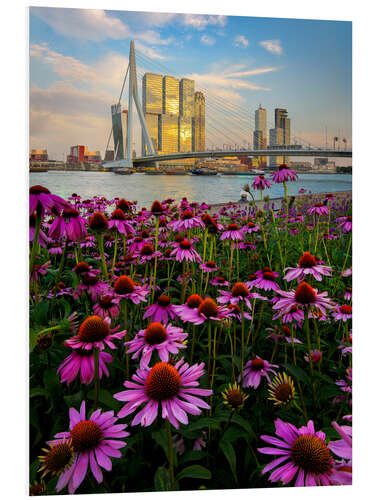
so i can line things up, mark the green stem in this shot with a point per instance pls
(100, 240)
(156, 257)
(242, 341)
(96, 377)
(347, 252)
(114, 255)
(170, 452)
(35, 241)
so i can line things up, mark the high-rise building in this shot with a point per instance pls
(184, 134)
(152, 123)
(187, 98)
(171, 95)
(168, 134)
(280, 136)
(199, 125)
(152, 93)
(260, 133)
(120, 130)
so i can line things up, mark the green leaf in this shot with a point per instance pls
(234, 433)
(237, 419)
(194, 471)
(230, 455)
(106, 398)
(33, 337)
(162, 481)
(161, 438)
(297, 372)
(38, 391)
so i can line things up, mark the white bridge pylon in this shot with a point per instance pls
(133, 96)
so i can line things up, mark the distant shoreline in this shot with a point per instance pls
(340, 195)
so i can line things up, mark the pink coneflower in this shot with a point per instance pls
(164, 339)
(187, 221)
(294, 314)
(95, 332)
(345, 385)
(94, 441)
(261, 183)
(98, 222)
(107, 306)
(119, 221)
(307, 265)
(161, 311)
(235, 312)
(165, 384)
(251, 227)
(219, 281)
(315, 355)
(343, 449)
(42, 237)
(282, 334)
(42, 200)
(184, 310)
(69, 225)
(207, 310)
(147, 253)
(239, 293)
(185, 251)
(81, 361)
(304, 296)
(40, 270)
(318, 209)
(55, 249)
(209, 267)
(345, 223)
(200, 442)
(232, 232)
(306, 453)
(283, 174)
(91, 285)
(348, 293)
(347, 272)
(265, 279)
(254, 370)
(89, 242)
(342, 313)
(126, 288)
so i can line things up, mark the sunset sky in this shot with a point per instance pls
(78, 59)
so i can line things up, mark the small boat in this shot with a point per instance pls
(175, 171)
(256, 171)
(203, 171)
(123, 171)
(154, 172)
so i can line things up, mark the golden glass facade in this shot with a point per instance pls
(168, 133)
(187, 98)
(152, 123)
(152, 93)
(199, 122)
(171, 95)
(184, 134)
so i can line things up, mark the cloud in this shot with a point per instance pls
(95, 25)
(214, 80)
(98, 25)
(148, 51)
(250, 72)
(200, 22)
(207, 40)
(241, 41)
(273, 46)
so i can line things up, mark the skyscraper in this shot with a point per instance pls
(280, 136)
(171, 95)
(199, 139)
(187, 98)
(175, 116)
(152, 93)
(260, 132)
(168, 133)
(120, 130)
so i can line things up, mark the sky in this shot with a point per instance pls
(78, 58)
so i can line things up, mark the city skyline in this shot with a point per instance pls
(75, 80)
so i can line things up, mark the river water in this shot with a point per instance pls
(147, 188)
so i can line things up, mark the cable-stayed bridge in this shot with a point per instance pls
(226, 123)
